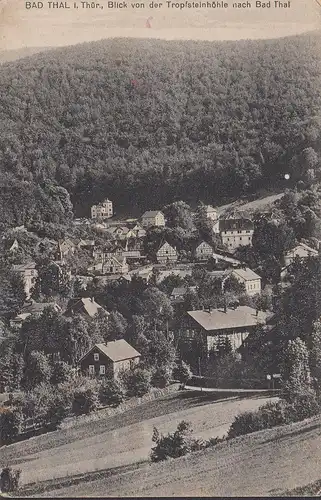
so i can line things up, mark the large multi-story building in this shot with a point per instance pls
(236, 232)
(153, 218)
(103, 210)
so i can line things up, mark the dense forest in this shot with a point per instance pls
(147, 122)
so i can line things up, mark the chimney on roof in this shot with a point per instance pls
(92, 299)
(225, 306)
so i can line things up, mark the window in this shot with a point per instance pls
(240, 238)
(102, 370)
(91, 369)
(96, 356)
(249, 238)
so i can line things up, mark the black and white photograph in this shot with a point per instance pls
(160, 248)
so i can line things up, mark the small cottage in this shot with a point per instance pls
(109, 360)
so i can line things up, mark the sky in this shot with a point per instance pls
(23, 28)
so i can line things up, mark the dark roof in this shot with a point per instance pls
(116, 350)
(85, 304)
(217, 319)
(236, 224)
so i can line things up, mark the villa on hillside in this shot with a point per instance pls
(103, 210)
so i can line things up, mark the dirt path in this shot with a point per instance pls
(263, 464)
(123, 439)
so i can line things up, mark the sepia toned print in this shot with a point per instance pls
(160, 229)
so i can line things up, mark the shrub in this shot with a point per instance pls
(85, 398)
(304, 406)
(161, 377)
(111, 393)
(137, 382)
(61, 372)
(175, 445)
(245, 423)
(182, 372)
(9, 479)
(10, 425)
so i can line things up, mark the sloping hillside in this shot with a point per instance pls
(266, 463)
(148, 121)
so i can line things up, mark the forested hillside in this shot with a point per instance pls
(149, 121)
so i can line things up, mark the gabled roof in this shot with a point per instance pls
(167, 244)
(203, 243)
(86, 304)
(209, 208)
(116, 350)
(247, 274)
(217, 319)
(181, 290)
(152, 213)
(24, 267)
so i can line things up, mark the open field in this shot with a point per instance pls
(266, 463)
(123, 439)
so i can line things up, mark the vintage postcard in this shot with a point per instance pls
(160, 258)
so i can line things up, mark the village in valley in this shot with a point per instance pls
(192, 266)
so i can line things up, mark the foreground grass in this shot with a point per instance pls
(273, 462)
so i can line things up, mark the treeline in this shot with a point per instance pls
(148, 122)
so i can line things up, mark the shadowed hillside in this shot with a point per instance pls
(148, 121)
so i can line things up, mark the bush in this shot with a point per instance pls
(85, 397)
(273, 414)
(245, 423)
(182, 372)
(61, 372)
(9, 479)
(137, 382)
(161, 377)
(173, 445)
(304, 406)
(111, 393)
(10, 425)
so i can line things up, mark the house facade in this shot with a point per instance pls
(250, 279)
(28, 273)
(103, 210)
(203, 251)
(166, 253)
(211, 213)
(153, 218)
(236, 232)
(110, 359)
(302, 251)
(110, 265)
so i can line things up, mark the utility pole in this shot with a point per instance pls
(199, 372)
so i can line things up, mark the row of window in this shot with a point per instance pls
(102, 370)
(240, 238)
(239, 232)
